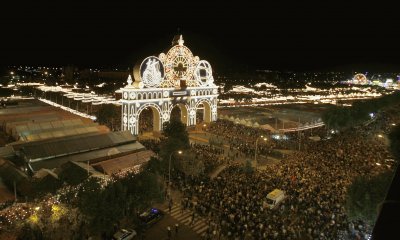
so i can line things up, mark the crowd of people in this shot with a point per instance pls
(315, 182)
(212, 157)
(245, 139)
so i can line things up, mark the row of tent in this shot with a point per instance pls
(239, 121)
(318, 122)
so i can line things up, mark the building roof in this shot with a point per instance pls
(52, 148)
(91, 171)
(45, 172)
(124, 163)
(7, 151)
(10, 173)
(91, 156)
(64, 132)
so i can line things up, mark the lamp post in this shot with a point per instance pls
(255, 153)
(169, 169)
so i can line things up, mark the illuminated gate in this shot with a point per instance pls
(176, 78)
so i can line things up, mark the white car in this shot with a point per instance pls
(125, 234)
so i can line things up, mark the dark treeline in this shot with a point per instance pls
(361, 111)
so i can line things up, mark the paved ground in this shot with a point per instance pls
(186, 228)
(159, 230)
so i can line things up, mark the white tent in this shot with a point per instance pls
(249, 123)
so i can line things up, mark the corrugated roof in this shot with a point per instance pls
(7, 151)
(9, 172)
(44, 172)
(91, 156)
(93, 172)
(36, 151)
(64, 132)
(32, 128)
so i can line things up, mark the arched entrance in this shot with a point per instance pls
(203, 109)
(149, 119)
(146, 121)
(180, 112)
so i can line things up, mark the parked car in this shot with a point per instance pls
(125, 234)
(150, 217)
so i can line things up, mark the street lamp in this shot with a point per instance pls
(255, 153)
(169, 169)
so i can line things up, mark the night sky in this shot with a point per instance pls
(284, 36)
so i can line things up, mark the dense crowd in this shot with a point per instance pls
(245, 139)
(315, 182)
(212, 157)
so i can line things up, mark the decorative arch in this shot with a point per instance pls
(177, 78)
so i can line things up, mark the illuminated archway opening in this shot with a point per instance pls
(200, 114)
(204, 109)
(180, 113)
(149, 120)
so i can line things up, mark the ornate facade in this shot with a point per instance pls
(176, 78)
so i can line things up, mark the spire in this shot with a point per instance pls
(180, 41)
(129, 81)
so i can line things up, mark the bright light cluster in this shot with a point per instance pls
(179, 64)
(68, 109)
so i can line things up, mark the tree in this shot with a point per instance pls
(30, 231)
(248, 168)
(394, 137)
(190, 165)
(365, 194)
(102, 206)
(106, 114)
(88, 195)
(177, 138)
(154, 166)
(343, 117)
